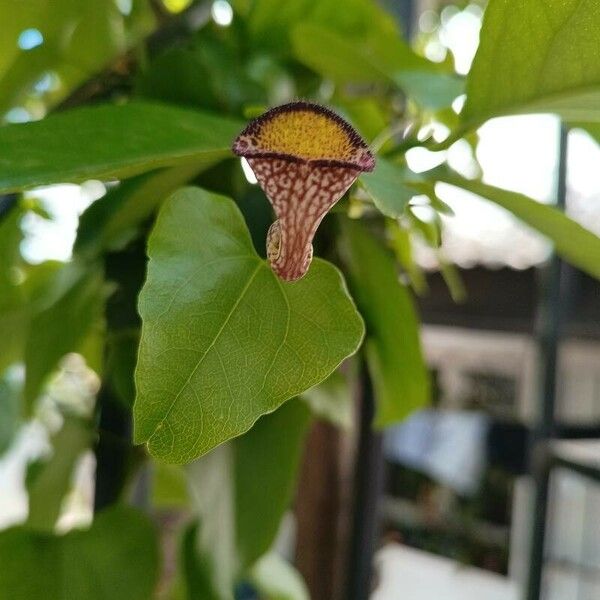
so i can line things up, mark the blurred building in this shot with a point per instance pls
(484, 355)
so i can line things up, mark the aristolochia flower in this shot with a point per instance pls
(305, 157)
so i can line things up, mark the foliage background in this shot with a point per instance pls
(147, 97)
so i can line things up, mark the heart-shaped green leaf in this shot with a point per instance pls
(224, 341)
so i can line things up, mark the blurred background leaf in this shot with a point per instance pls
(49, 479)
(58, 44)
(10, 408)
(82, 564)
(387, 186)
(300, 331)
(240, 493)
(163, 113)
(575, 243)
(110, 142)
(276, 579)
(62, 326)
(393, 349)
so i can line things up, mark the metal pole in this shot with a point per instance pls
(590, 471)
(368, 487)
(369, 474)
(550, 315)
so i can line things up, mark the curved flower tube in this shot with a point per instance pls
(304, 157)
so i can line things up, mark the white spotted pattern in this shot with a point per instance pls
(301, 194)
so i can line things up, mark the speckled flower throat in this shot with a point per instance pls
(305, 157)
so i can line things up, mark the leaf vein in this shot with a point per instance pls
(210, 346)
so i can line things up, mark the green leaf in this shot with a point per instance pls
(592, 129)
(10, 256)
(276, 579)
(574, 243)
(18, 304)
(179, 75)
(429, 230)
(332, 400)
(199, 570)
(209, 72)
(210, 552)
(79, 39)
(169, 486)
(273, 448)
(10, 408)
(371, 51)
(388, 188)
(13, 313)
(109, 141)
(536, 57)
(111, 222)
(62, 326)
(334, 56)
(453, 279)
(116, 559)
(121, 357)
(270, 22)
(239, 513)
(14, 322)
(48, 481)
(430, 90)
(224, 341)
(92, 346)
(382, 58)
(14, 22)
(393, 348)
(367, 116)
(401, 243)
